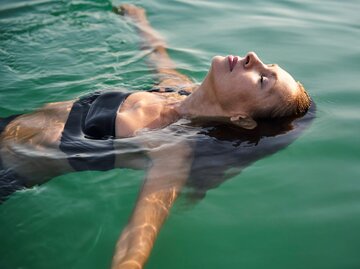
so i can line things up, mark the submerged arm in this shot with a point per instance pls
(152, 40)
(163, 183)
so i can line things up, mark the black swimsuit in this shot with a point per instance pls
(87, 138)
(88, 134)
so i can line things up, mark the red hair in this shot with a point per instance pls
(297, 106)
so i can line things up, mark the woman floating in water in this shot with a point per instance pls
(183, 134)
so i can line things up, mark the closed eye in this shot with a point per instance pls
(261, 79)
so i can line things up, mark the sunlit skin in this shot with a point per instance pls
(241, 92)
(250, 85)
(235, 95)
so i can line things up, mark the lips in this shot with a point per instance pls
(232, 61)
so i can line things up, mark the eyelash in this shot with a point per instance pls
(261, 79)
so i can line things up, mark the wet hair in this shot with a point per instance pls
(296, 107)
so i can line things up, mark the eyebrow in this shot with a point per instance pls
(273, 73)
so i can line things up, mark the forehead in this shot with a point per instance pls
(285, 83)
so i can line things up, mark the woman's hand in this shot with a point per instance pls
(158, 56)
(136, 13)
(151, 38)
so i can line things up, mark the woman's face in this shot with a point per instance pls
(248, 86)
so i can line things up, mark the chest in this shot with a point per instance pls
(144, 111)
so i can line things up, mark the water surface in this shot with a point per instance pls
(299, 208)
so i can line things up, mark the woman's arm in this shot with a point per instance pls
(152, 41)
(163, 183)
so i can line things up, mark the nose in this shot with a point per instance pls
(251, 59)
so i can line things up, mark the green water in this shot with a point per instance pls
(299, 208)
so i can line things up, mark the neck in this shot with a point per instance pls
(201, 103)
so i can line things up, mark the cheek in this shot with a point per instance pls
(243, 88)
(231, 88)
(267, 105)
(235, 97)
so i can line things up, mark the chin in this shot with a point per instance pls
(217, 64)
(217, 59)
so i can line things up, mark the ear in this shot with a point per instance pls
(244, 121)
